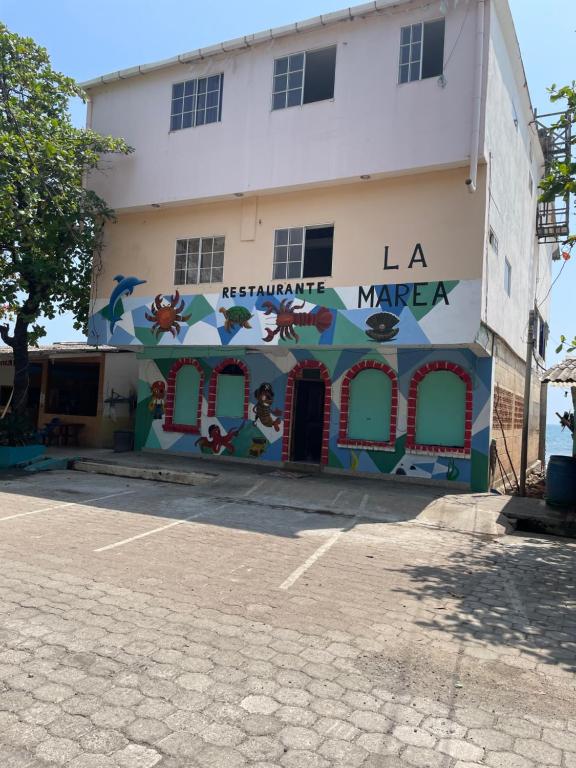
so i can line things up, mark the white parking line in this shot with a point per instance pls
(67, 504)
(295, 575)
(254, 488)
(161, 528)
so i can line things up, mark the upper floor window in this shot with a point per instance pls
(421, 51)
(199, 260)
(303, 252)
(196, 102)
(304, 77)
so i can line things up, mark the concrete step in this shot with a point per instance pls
(144, 473)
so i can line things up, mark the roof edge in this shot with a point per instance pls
(247, 41)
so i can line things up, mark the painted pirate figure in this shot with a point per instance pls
(263, 409)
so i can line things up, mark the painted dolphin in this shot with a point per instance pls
(125, 287)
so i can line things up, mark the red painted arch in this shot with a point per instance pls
(294, 375)
(169, 425)
(421, 373)
(351, 374)
(213, 386)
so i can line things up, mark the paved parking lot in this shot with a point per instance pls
(146, 624)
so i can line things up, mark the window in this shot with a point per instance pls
(199, 260)
(303, 78)
(507, 276)
(541, 335)
(184, 397)
(196, 102)
(303, 252)
(229, 390)
(368, 408)
(421, 51)
(493, 240)
(440, 410)
(73, 388)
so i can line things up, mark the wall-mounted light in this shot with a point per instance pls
(238, 194)
(155, 205)
(365, 176)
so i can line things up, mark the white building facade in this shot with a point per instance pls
(325, 246)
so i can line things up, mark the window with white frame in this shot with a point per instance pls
(507, 277)
(304, 77)
(199, 260)
(196, 102)
(303, 252)
(421, 51)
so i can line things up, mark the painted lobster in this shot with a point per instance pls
(287, 318)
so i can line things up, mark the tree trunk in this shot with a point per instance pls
(19, 344)
(21, 363)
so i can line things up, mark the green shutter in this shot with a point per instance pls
(186, 396)
(230, 396)
(370, 405)
(441, 410)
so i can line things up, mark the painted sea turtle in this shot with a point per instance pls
(236, 316)
(382, 326)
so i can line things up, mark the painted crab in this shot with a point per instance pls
(236, 316)
(382, 326)
(167, 317)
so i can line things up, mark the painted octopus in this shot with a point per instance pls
(216, 441)
(167, 317)
(263, 409)
(287, 318)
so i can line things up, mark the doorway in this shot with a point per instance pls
(308, 421)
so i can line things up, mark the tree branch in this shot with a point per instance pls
(5, 336)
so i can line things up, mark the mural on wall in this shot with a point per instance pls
(263, 409)
(381, 326)
(236, 317)
(291, 315)
(216, 441)
(125, 287)
(262, 438)
(167, 316)
(287, 317)
(156, 405)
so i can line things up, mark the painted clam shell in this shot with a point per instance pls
(382, 326)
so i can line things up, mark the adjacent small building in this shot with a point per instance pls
(77, 384)
(325, 249)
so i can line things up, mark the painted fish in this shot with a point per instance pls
(125, 287)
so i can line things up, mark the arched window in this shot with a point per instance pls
(229, 393)
(369, 406)
(440, 410)
(184, 397)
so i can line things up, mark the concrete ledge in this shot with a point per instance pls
(144, 473)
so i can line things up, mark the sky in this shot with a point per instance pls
(86, 39)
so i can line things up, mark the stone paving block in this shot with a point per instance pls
(507, 760)
(461, 750)
(539, 751)
(137, 756)
(57, 750)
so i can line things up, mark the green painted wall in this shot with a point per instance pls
(441, 409)
(370, 406)
(186, 399)
(230, 396)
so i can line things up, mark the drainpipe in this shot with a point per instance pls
(477, 101)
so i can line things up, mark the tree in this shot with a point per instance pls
(560, 181)
(50, 225)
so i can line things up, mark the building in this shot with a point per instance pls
(92, 389)
(325, 249)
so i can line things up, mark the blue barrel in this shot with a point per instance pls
(561, 481)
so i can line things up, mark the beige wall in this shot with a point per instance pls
(433, 209)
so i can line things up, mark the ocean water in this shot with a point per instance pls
(558, 441)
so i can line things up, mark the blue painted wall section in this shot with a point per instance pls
(250, 438)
